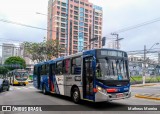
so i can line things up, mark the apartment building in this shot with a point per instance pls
(75, 23)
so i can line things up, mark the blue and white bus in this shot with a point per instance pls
(93, 75)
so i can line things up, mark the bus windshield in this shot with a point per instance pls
(21, 75)
(111, 69)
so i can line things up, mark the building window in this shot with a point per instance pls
(86, 10)
(81, 24)
(76, 1)
(96, 18)
(63, 14)
(58, 7)
(81, 18)
(81, 28)
(71, 6)
(82, 3)
(85, 34)
(63, 4)
(75, 7)
(62, 30)
(63, 25)
(76, 37)
(86, 29)
(59, 2)
(76, 17)
(82, 14)
(86, 25)
(86, 15)
(75, 27)
(63, 9)
(75, 12)
(90, 5)
(81, 9)
(62, 35)
(75, 42)
(75, 22)
(86, 20)
(58, 12)
(86, 5)
(63, 19)
(96, 27)
(96, 22)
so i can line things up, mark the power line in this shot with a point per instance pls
(138, 25)
(16, 23)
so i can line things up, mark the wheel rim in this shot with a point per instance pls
(44, 90)
(75, 96)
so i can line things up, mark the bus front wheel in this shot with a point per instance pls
(76, 95)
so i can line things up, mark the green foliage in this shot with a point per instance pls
(3, 70)
(15, 60)
(43, 51)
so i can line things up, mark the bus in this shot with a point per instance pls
(18, 77)
(95, 75)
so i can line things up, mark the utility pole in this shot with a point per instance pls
(159, 58)
(117, 39)
(144, 65)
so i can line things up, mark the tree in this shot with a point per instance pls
(3, 70)
(15, 62)
(43, 51)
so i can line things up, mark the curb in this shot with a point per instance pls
(149, 96)
(143, 85)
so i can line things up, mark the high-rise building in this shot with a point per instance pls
(7, 51)
(75, 23)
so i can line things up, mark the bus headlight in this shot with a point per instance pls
(99, 88)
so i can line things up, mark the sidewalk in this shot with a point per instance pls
(148, 84)
(148, 96)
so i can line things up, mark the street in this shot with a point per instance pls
(28, 95)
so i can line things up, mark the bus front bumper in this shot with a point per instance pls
(100, 96)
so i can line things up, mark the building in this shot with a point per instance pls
(9, 50)
(0, 60)
(74, 23)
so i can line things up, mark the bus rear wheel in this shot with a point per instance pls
(44, 90)
(76, 95)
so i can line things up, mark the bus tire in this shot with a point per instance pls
(44, 90)
(76, 95)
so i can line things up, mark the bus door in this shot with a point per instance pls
(38, 76)
(88, 77)
(51, 77)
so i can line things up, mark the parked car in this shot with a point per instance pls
(4, 85)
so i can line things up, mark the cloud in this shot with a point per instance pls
(117, 14)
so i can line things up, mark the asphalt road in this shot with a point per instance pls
(28, 95)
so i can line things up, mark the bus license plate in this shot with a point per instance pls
(119, 95)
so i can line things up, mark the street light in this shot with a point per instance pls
(154, 45)
(144, 62)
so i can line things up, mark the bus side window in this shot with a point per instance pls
(67, 66)
(76, 65)
(59, 67)
(53, 68)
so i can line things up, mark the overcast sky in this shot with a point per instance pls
(117, 14)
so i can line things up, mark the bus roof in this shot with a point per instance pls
(85, 52)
